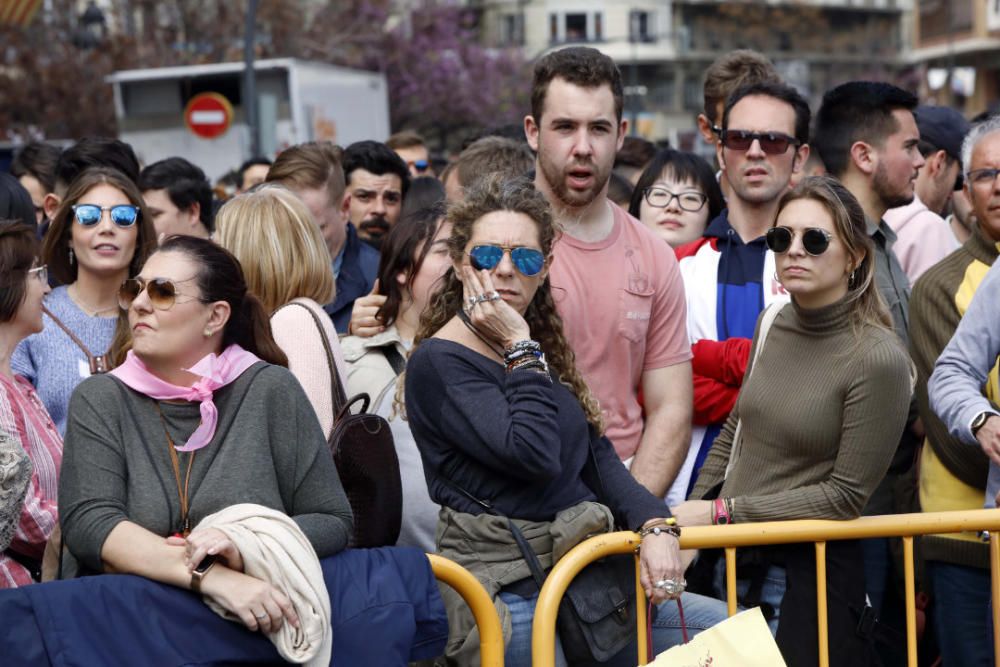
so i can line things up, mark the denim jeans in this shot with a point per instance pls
(772, 591)
(700, 613)
(961, 598)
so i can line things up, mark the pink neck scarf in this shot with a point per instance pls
(216, 371)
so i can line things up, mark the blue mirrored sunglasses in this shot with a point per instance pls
(123, 215)
(529, 261)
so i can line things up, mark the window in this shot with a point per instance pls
(553, 28)
(639, 27)
(512, 30)
(576, 27)
(598, 27)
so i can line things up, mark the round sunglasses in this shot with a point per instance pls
(162, 292)
(772, 143)
(529, 261)
(123, 215)
(815, 241)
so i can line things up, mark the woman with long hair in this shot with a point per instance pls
(818, 417)
(24, 422)
(676, 196)
(286, 264)
(201, 416)
(504, 421)
(99, 237)
(414, 259)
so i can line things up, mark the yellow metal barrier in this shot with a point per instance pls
(490, 633)
(776, 532)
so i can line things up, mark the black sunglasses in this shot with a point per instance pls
(772, 143)
(815, 241)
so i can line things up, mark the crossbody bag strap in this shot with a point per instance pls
(339, 394)
(394, 358)
(770, 313)
(98, 363)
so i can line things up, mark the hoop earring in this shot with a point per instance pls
(851, 283)
(71, 258)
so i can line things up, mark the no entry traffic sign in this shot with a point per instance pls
(208, 115)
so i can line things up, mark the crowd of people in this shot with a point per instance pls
(569, 330)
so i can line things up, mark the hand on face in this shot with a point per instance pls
(491, 315)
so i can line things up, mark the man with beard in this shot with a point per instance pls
(729, 272)
(377, 180)
(616, 285)
(867, 136)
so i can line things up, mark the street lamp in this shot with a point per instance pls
(91, 28)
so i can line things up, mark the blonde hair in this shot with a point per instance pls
(276, 239)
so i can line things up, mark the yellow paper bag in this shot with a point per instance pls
(741, 641)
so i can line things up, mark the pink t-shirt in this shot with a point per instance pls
(623, 305)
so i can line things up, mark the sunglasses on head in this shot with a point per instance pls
(123, 215)
(529, 261)
(772, 143)
(815, 241)
(162, 292)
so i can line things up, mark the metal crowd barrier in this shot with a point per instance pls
(491, 646)
(732, 536)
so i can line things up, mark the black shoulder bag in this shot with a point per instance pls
(365, 455)
(596, 618)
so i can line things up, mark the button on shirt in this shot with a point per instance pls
(890, 278)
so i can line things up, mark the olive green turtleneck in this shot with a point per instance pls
(822, 410)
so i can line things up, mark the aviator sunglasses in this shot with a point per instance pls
(815, 241)
(529, 261)
(772, 143)
(123, 215)
(162, 292)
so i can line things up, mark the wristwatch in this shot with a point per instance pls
(198, 573)
(980, 419)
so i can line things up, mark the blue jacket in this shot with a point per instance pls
(356, 278)
(385, 604)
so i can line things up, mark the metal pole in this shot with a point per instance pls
(250, 79)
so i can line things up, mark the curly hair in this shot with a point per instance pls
(519, 196)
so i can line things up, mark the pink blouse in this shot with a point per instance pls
(24, 418)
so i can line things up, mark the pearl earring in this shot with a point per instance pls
(208, 333)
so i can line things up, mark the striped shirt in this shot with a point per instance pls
(23, 416)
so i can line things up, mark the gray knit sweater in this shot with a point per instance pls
(822, 412)
(268, 449)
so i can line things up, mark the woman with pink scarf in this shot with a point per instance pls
(200, 416)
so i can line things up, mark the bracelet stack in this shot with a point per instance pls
(525, 354)
(660, 527)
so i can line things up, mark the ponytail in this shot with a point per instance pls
(250, 328)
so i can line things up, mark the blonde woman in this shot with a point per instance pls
(286, 263)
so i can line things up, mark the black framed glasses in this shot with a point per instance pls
(123, 215)
(162, 292)
(815, 241)
(772, 143)
(529, 261)
(689, 200)
(982, 177)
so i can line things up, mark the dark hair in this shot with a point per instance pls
(636, 152)
(15, 201)
(856, 111)
(620, 189)
(55, 249)
(37, 159)
(778, 91)
(185, 183)
(580, 65)
(220, 278)
(425, 192)
(731, 71)
(95, 152)
(18, 251)
(493, 155)
(403, 251)
(376, 158)
(252, 162)
(683, 167)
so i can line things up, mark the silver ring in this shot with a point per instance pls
(671, 587)
(493, 296)
(261, 616)
(471, 302)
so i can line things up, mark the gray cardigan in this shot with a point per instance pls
(268, 449)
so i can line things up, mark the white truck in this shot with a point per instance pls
(297, 101)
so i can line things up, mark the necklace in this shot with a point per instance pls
(462, 315)
(88, 309)
(182, 492)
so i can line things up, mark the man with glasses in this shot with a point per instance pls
(377, 180)
(412, 150)
(729, 274)
(867, 135)
(953, 468)
(615, 283)
(923, 238)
